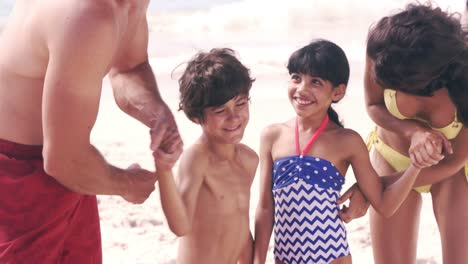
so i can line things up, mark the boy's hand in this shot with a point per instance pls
(164, 131)
(428, 147)
(169, 150)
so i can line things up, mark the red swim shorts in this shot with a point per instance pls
(40, 220)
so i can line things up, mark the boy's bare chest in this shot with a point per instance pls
(226, 190)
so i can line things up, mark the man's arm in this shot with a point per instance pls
(80, 50)
(135, 87)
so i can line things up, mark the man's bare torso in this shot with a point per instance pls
(24, 55)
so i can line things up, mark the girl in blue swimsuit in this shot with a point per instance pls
(303, 162)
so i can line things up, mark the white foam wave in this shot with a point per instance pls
(265, 32)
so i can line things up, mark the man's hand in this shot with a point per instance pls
(428, 147)
(358, 204)
(166, 143)
(140, 184)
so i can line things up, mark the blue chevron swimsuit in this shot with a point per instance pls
(307, 226)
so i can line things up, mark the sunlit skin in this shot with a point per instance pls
(395, 238)
(50, 90)
(227, 123)
(311, 98)
(209, 206)
(54, 56)
(309, 94)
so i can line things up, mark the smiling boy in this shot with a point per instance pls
(209, 206)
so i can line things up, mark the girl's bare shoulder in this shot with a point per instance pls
(346, 136)
(276, 129)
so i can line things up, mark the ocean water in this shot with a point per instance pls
(263, 32)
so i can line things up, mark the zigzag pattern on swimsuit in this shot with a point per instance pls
(307, 226)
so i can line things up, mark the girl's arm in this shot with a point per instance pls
(446, 168)
(385, 200)
(265, 208)
(179, 201)
(424, 141)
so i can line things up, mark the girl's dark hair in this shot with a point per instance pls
(325, 60)
(211, 79)
(420, 50)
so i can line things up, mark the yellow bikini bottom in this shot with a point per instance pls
(398, 161)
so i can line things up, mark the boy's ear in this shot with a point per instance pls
(339, 92)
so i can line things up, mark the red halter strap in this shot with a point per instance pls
(313, 139)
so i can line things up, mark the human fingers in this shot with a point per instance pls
(440, 142)
(343, 213)
(140, 186)
(173, 146)
(164, 160)
(345, 196)
(176, 145)
(428, 155)
(416, 159)
(171, 140)
(446, 145)
(434, 151)
(157, 134)
(134, 166)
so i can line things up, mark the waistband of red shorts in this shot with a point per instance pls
(20, 151)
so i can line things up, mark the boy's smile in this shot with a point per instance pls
(226, 123)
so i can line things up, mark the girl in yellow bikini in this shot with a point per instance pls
(416, 87)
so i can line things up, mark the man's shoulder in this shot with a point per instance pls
(78, 15)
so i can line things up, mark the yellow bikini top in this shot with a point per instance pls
(451, 131)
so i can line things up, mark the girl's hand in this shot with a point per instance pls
(428, 147)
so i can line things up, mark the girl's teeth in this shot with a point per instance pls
(300, 101)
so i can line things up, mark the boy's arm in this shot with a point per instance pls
(385, 200)
(246, 256)
(179, 201)
(264, 214)
(422, 150)
(251, 160)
